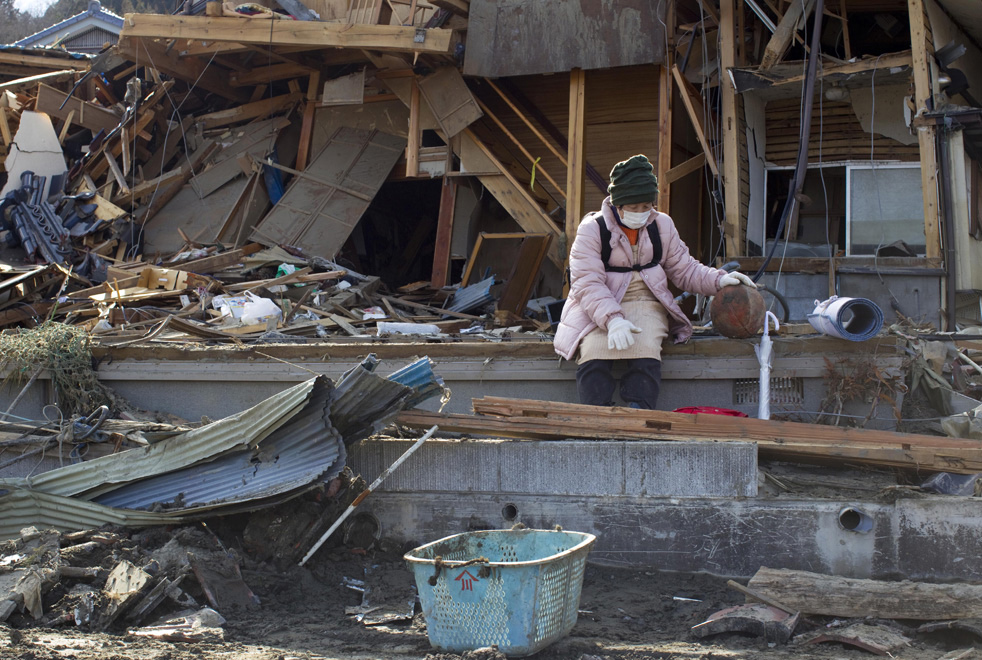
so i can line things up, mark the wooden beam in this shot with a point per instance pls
(249, 110)
(576, 153)
(30, 82)
(146, 188)
(664, 136)
(844, 17)
(444, 232)
(518, 143)
(696, 111)
(731, 134)
(42, 62)
(521, 115)
(266, 74)
(459, 7)
(779, 41)
(694, 164)
(311, 34)
(189, 69)
(831, 595)
(415, 136)
(922, 51)
(5, 127)
(306, 134)
(88, 115)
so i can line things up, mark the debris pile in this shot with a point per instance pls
(173, 205)
(108, 579)
(877, 616)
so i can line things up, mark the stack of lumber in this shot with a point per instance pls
(788, 441)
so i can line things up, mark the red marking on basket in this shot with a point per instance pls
(466, 581)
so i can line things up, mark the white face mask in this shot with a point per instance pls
(634, 220)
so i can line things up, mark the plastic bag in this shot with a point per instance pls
(258, 309)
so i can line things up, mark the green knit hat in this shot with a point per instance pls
(632, 182)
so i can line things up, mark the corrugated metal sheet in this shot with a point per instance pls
(472, 296)
(272, 451)
(103, 474)
(23, 508)
(365, 403)
(300, 453)
(420, 376)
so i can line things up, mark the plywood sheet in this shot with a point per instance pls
(519, 37)
(452, 103)
(323, 205)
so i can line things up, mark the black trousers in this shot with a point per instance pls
(639, 386)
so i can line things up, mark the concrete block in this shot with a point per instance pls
(571, 468)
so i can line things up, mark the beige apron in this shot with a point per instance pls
(641, 309)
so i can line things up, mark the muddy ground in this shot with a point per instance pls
(625, 615)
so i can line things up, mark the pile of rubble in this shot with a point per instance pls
(109, 580)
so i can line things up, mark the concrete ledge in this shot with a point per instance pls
(571, 467)
(931, 539)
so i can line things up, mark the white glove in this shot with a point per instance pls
(619, 334)
(734, 278)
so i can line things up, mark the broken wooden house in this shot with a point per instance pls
(437, 146)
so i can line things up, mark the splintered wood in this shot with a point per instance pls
(811, 443)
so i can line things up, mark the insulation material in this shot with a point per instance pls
(889, 102)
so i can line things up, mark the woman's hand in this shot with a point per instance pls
(620, 333)
(734, 278)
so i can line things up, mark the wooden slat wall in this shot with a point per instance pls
(838, 133)
(621, 118)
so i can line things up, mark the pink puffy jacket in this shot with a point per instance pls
(595, 295)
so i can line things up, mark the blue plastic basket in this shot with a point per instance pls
(523, 598)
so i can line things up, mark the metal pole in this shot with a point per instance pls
(365, 493)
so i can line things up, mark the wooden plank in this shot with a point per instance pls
(575, 170)
(782, 36)
(459, 7)
(5, 127)
(189, 69)
(163, 197)
(731, 135)
(694, 164)
(427, 308)
(306, 133)
(42, 62)
(311, 34)
(29, 83)
(249, 110)
(665, 135)
(85, 114)
(521, 115)
(450, 100)
(147, 188)
(267, 74)
(444, 233)
(117, 173)
(830, 595)
(695, 109)
(924, 94)
(518, 143)
(415, 137)
(515, 294)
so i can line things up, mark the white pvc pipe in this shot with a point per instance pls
(765, 353)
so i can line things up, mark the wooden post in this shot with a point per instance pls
(306, 133)
(731, 135)
(444, 232)
(412, 147)
(664, 136)
(576, 169)
(921, 51)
